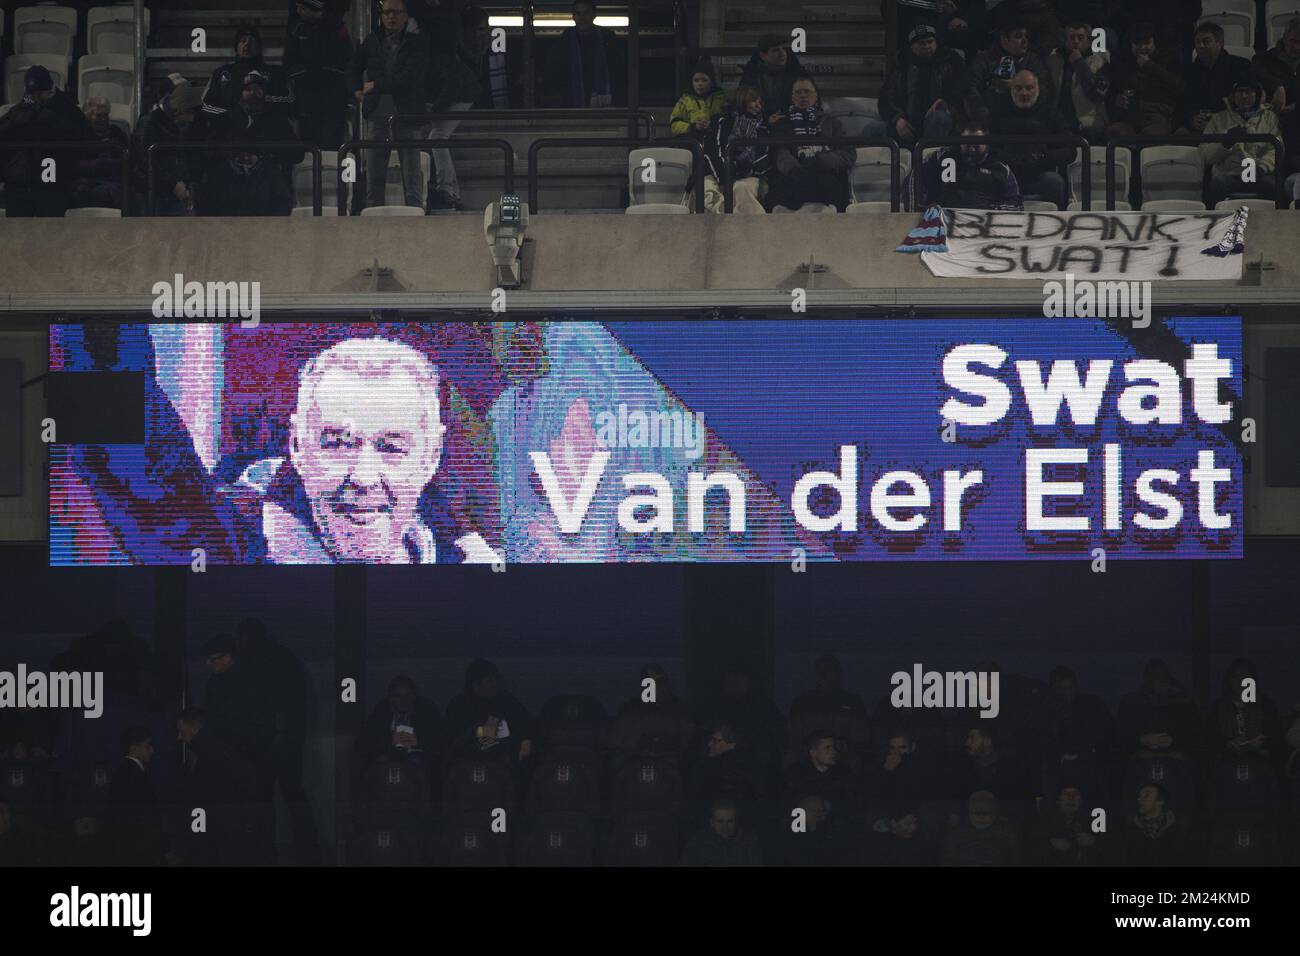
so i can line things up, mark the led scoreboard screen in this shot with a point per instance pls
(648, 440)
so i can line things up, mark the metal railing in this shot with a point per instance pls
(686, 55)
(1137, 143)
(696, 151)
(259, 146)
(357, 147)
(895, 188)
(96, 147)
(589, 115)
(1060, 139)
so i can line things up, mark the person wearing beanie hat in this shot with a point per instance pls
(173, 119)
(1244, 112)
(696, 107)
(44, 114)
(928, 92)
(773, 69)
(227, 81)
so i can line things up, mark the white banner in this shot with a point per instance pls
(1176, 246)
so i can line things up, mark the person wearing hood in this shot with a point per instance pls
(993, 68)
(981, 181)
(43, 115)
(810, 173)
(1081, 78)
(1036, 166)
(226, 85)
(743, 119)
(172, 120)
(696, 108)
(773, 69)
(389, 75)
(926, 92)
(317, 49)
(1244, 112)
(1278, 71)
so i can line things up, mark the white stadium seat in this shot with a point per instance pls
(16, 68)
(1173, 205)
(1237, 17)
(672, 175)
(1097, 163)
(392, 211)
(853, 111)
(1277, 14)
(1247, 53)
(112, 29)
(859, 208)
(1171, 172)
(301, 211)
(329, 184)
(122, 115)
(869, 178)
(657, 209)
(1251, 202)
(110, 75)
(1040, 205)
(46, 29)
(93, 212)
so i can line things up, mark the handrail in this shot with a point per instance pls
(258, 146)
(1020, 139)
(96, 147)
(590, 114)
(356, 146)
(728, 171)
(697, 153)
(1196, 139)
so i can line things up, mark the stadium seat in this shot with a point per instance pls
(1251, 202)
(479, 784)
(673, 172)
(390, 846)
(1277, 14)
(301, 211)
(17, 66)
(468, 840)
(1237, 17)
(329, 184)
(858, 208)
(658, 209)
(1121, 205)
(1247, 53)
(122, 115)
(572, 727)
(112, 29)
(647, 783)
(558, 839)
(1097, 164)
(392, 211)
(869, 178)
(1040, 205)
(1171, 172)
(641, 839)
(45, 29)
(93, 212)
(5, 108)
(559, 785)
(1173, 205)
(853, 111)
(110, 75)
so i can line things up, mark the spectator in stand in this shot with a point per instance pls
(818, 773)
(465, 80)
(723, 842)
(1243, 721)
(744, 118)
(903, 777)
(985, 765)
(962, 26)
(1159, 718)
(99, 175)
(1244, 112)
(730, 767)
(900, 838)
(253, 120)
(226, 85)
(485, 718)
(172, 120)
(317, 49)
(388, 76)
(584, 66)
(1081, 79)
(218, 778)
(1154, 836)
(773, 69)
(993, 68)
(1039, 16)
(828, 705)
(135, 824)
(245, 184)
(984, 839)
(695, 109)
(239, 711)
(1210, 79)
(1063, 835)
(811, 173)
(1174, 22)
(823, 840)
(1278, 71)
(1145, 90)
(929, 90)
(980, 180)
(1037, 167)
(654, 719)
(43, 115)
(403, 723)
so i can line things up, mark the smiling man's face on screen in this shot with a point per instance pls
(366, 442)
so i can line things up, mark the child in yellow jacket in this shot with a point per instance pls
(697, 107)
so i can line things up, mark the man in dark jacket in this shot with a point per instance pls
(979, 181)
(460, 79)
(486, 719)
(389, 75)
(1146, 88)
(584, 68)
(226, 85)
(1278, 72)
(724, 842)
(172, 120)
(1036, 166)
(773, 70)
(1210, 79)
(317, 49)
(253, 120)
(246, 184)
(99, 175)
(927, 94)
(135, 821)
(809, 173)
(992, 69)
(219, 778)
(44, 115)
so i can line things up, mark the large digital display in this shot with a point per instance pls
(650, 440)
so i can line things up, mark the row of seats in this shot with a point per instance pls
(49, 28)
(110, 75)
(1238, 18)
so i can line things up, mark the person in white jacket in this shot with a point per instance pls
(1231, 175)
